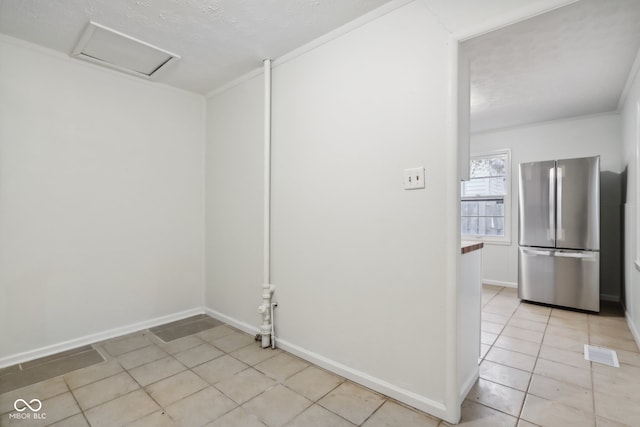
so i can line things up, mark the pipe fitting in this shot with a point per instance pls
(265, 311)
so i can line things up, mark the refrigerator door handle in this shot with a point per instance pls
(552, 204)
(537, 252)
(576, 255)
(560, 229)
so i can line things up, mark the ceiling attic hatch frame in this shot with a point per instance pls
(110, 48)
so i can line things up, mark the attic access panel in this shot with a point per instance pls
(110, 48)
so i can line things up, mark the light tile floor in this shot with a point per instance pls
(216, 377)
(533, 370)
(532, 373)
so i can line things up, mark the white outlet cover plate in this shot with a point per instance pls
(414, 178)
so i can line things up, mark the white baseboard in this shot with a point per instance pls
(244, 327)
(410, 398)
(499, 283)
(633, 329)
(93, 338)
(422, 403)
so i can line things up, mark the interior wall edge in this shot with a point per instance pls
(631, 78)
(203, 200)
(453, 408)
(468, 384)
(97, 337)
(632, 328)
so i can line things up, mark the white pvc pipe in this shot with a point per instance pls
(267, 172)
(266, 308)
(273, 326)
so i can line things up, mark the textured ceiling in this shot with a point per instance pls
(218, 40)
(572, 61)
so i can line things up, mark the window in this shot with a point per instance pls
(485, 198)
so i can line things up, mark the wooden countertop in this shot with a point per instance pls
(469, 246)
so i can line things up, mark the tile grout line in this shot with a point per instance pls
(140, 387)
(537, 358)
(526, 392)
(593, 388)
(76, 400)
(491, 347)
(535, 364)
(384, 400)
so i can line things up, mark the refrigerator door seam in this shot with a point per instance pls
(559, 227)
(552, 205)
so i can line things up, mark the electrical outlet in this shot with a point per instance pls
(414, 178)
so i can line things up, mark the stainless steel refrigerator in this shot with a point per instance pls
(559, 232)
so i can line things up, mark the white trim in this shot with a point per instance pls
(499, 283)
(415, 400)
(66, 58)
(633, 329)
(454, 259)
(610, 297)
(466, 387)
(231, 321)
(93, 338)
(410, 398)
(324, 39)
(341, 31)
(236, 82)
(546, 122)
(512, 17)
(633, 73)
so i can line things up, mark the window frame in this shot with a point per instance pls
(508, 211)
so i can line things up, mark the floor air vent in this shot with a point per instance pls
(601, 355)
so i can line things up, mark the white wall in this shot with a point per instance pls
(234, 202)
(358, 260)
(631, 138)
(101, 199)
(361, 266)
(577, 137)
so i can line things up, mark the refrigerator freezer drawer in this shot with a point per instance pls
(560, 277)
